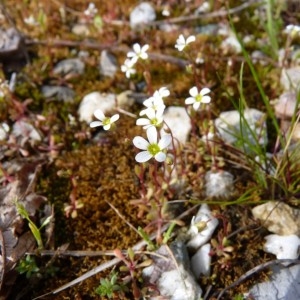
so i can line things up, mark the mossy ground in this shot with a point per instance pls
(104, 167)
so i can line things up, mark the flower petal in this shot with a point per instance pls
(181, 39)
(205, 99)
(143, 156)
(160, 156)
(140, 143)
(152, 135)
(194, 91)
(107, 126)
(196, 105)
(95, 124)
(98, 113)
(165, 141)
(190, 100)
(114, 118)
(145, 48)
(142, 122)
(190, 39)
(204, 91)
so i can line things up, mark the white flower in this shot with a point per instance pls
(127, 68)
(197, 98)
(138, 52)
(166, 12)
(31, 21)
(154, 118)
(104, 121)
(151, 148)
(91, 10)
(156, 102)
(292, 30)
(181, 42)
(161, 93)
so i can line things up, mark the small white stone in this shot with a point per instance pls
(231, 44)
(209, 222)
(284, 247)
(177, 284)
(233, 128)
(108, 64)
(72, 66)
(179, 122)
(142, 14)
(93, 101)
(218, 184)
(201, 260)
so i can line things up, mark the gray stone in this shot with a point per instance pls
(11, 42)
(173, 279)
(142, 14)
(278, 217)
(284, 284)
(290, 79)
(60, 93)
(108, 64)
(285, 107)
(74, 66)
(24, 130)
(243, 131)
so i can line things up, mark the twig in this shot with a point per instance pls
(259, 268)
(219, 13)
(122, 217)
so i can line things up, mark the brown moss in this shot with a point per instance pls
(104, 172)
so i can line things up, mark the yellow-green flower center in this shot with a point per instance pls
(198, 98)
(106, 121)
(153, 149)
(154, 121)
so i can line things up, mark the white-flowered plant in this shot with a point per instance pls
(292, 30)
(156, 102)
(154, 118)
(128, 67)
(31, 21)
(104, 121)
(152, 147)
(138, 52)
(197, 98)
(181, 42)
(91, 11)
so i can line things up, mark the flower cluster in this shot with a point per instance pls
(154, 109)
(132, 58)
